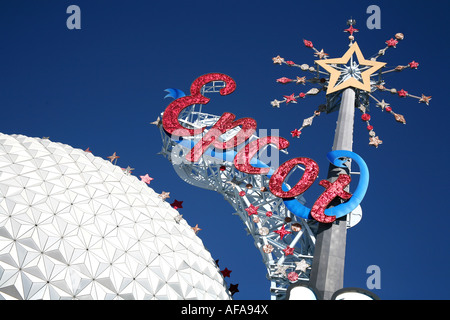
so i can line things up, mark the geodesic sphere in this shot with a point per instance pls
(74, 226)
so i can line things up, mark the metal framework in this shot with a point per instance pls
(243, 191)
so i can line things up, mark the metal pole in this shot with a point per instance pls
(327, 272)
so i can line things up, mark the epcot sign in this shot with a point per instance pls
(243, 157)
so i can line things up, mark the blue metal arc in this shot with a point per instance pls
(292, 204)
(345, 208)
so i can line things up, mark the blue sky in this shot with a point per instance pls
(101, 86)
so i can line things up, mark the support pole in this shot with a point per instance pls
(327, 273)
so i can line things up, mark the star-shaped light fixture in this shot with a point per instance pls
(177, 204)
(302, 265)
(288, 251)
(252, 210)
(225, 272)
(234, 288)
(196, 229)
(282, 232)
(281, 269)
(425, 99)
(113, 157)
(128, 170)
(350, 73)
(146, 178)
(178, 218)
(157, 122)
(375, 141)
(164, 195)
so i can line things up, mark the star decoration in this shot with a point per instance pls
(351, 30)
(392, 43)
(233, 288)
(177, 204)
(157, 122)
(296, 133)
(402, 93)
(164, 195)
(375, 141)
(281, 269)
(425, 99)
(290, 98)
(321, 54)
(301, 80)
(146, 179)
(113, 157)
(382, 104)
(351, 73)
(302, 265)
(278, 60)
(282, 232)
(128, 170)
(288, 251)
(196, 229)
(225, 272)
(252, 210)
(275, 103)
(178, 218)
(413, 65)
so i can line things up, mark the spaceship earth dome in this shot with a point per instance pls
(74, 226)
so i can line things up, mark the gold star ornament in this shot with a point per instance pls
(113, 157)
(196, 229)
(375, 141)
(354, 75)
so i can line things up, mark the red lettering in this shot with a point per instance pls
(170, 117)
(224, 124)
(333, 190)
(309, 176)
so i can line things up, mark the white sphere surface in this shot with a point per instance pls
(75, 226)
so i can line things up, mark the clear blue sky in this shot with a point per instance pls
(99, 87)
